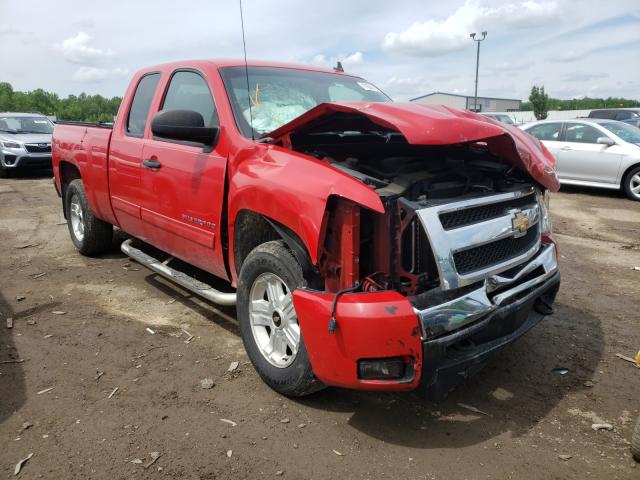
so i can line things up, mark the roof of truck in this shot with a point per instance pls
(233, 62)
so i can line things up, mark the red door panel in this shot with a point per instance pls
(125, 157)
(183, 203)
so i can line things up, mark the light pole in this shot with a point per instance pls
(477, 40)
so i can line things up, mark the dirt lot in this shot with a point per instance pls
(536, 423)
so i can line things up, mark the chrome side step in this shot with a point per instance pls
(199, 288)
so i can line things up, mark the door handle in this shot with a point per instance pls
(565, 148)
(151, 163)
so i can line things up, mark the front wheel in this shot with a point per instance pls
(268, 321)
(631, 184)
(89, 234)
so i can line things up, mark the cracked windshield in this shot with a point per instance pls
(278, 95)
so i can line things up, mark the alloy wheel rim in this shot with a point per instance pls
(77, 218)
(273, 320)
(634, 185)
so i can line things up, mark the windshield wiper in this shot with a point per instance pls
(32, 131)
(8, 131)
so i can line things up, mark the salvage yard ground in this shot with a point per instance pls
(93, 393)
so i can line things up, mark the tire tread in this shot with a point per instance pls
(98, 235)
(266, 257)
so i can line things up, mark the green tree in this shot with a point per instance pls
(539, 102)
(6, 96)
(83, 107)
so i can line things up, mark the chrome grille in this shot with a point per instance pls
(469, 216)
(479, 258)
(475, 238)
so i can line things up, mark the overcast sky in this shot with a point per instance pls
(408, 48)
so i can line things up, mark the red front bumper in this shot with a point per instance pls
(370, 326)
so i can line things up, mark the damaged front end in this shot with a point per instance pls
(460, 263)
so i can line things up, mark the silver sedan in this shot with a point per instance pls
(593, 152)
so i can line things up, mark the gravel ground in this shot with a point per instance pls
(94, 393)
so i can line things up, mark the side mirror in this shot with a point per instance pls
(605, 141)
(184, 125)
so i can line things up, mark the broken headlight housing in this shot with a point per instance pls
(544, 198)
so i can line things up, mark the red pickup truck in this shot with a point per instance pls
(368, 244)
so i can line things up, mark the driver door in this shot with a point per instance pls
(184, 182)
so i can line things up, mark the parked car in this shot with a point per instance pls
(25, 141)
(373, 245)
(501, 117)
(593, 152)
(626, 115)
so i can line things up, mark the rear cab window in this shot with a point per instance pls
(546, 131)
(140, 105)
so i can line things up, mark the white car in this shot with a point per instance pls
(593, 152)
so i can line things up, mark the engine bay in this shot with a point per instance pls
(392, 250)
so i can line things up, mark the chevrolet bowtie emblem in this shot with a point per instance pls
(520, 224)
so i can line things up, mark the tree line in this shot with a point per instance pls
(541, 102)
(96, 108)
(83, 107)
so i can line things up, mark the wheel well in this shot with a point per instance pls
(252, 229)
(68, 173)
(626, 172)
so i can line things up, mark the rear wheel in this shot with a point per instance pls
(268, 321)
(631, 184)
(90, 235)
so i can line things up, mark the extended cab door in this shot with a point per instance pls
(184, 182)
(585, 160)
(125, 156)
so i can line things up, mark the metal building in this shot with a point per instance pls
(485, 104)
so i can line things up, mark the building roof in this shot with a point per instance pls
(463, 96)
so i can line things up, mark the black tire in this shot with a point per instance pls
(297, 379)
(4, 173)
(635, 441)
(97, 234)
(628, 183)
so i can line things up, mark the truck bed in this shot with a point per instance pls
(85, 147)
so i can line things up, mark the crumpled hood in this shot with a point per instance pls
(432, 125)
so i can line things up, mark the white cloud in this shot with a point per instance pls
(95, 74)
(8, 30)
(507, 67)
(584, 76)
(406, 87)
(437, 37)
(77, 50)
(569, 56)
(348, 61)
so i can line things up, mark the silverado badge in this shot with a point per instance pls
(520, 224)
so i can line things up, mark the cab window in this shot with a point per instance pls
(546, 131)
(580, 133)
(189, 91)
(139, 111)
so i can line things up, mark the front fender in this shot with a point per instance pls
(292, 189)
